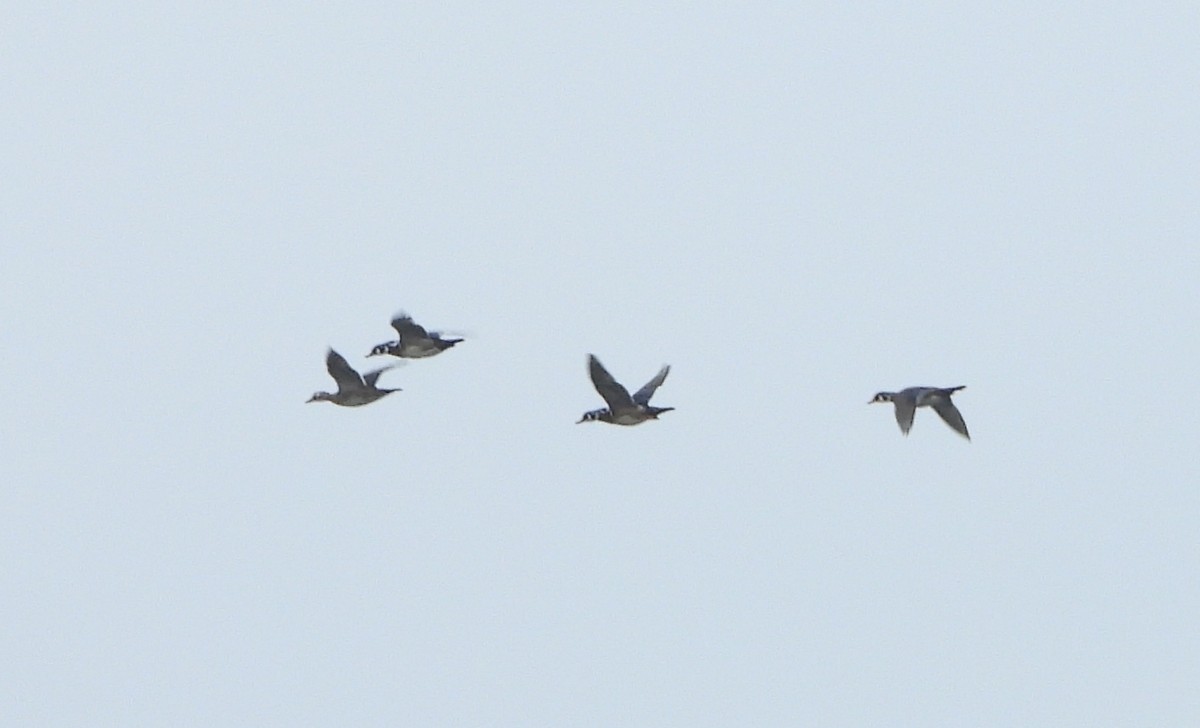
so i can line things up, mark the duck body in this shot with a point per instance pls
(354, 390)
(414, 341)
(623, 408)
(906, 402)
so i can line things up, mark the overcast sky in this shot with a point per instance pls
(794, 205)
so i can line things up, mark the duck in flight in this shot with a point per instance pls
(353, 390)
(414, 342)
(623, 409)
(908, 400)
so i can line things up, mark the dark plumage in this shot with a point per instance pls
(908, 400)
(414, 342)
(622, 408)
(353, 390)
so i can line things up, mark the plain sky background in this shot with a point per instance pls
(794, 204)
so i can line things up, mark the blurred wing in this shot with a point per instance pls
(373, 376)
(643, 395)
(613, 393)
(342, 373)
(948, 412)
(404, 325)
(905, 407)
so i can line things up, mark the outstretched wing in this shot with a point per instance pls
(342, 372)
(407, 328)
(373, 376)
(948, 412)
(643, 395)
(610, 389)
(905, 408)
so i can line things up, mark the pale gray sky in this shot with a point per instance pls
(794, 205)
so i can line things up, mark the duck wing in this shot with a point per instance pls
(342, 372)
(373, 376)
(950, 415)
(407, 328)
(906, 407)
(643, 395)
(610, 389)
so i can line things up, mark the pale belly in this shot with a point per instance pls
(628, 418)
(420, 352)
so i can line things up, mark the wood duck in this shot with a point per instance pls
(414, 342)
(353, 390)
(623, 409)
(907, 401)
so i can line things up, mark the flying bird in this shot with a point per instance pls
(414, 342)
(623, 409)
(353, 390)
(907, 401)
